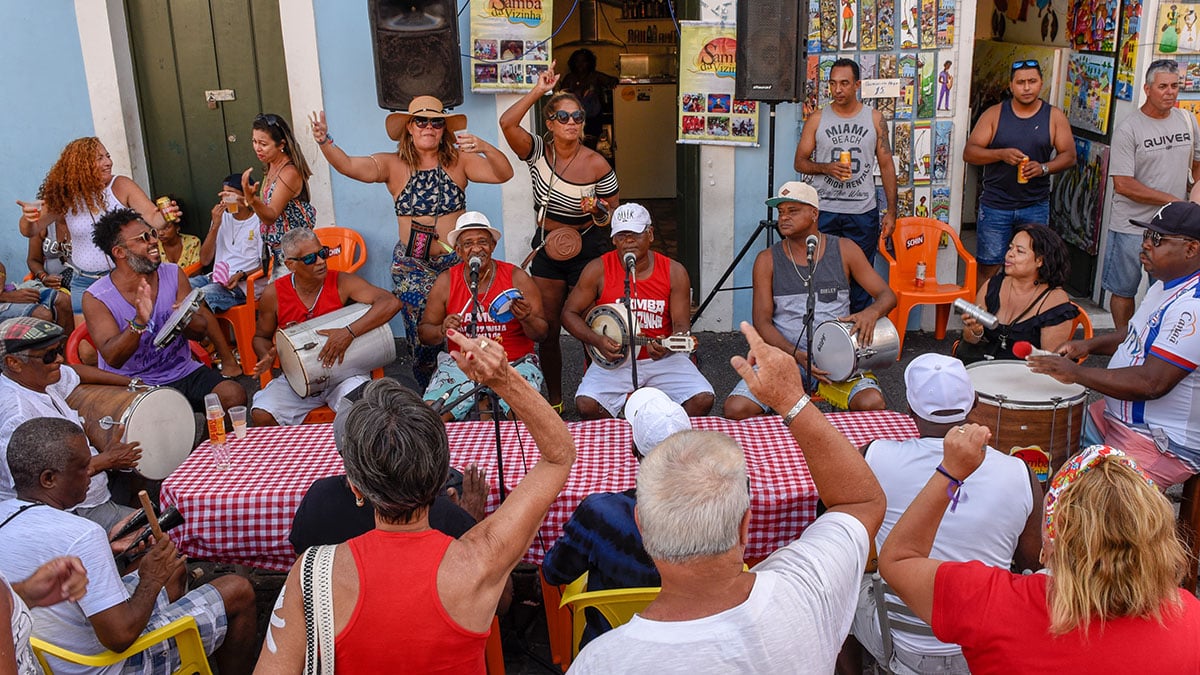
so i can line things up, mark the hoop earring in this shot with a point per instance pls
(358, 501)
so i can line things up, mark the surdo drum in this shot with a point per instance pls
(159, 419)
(300, 345)
(837, 351)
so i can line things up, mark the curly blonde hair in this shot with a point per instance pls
(447, 153)
(74, 181)
(1115, 554)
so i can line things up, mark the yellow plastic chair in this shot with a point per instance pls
(617, 605)
(183, 630)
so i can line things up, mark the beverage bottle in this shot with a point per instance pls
(919, 278)
(216, 431)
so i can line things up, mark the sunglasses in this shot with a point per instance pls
(146, 237)
(1156, 238)
(435, 122)
(50, 356)
(1028, 63)
(270, 119)
(311, 258)
(1169, 64)
(561, 116)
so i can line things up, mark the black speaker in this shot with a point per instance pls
(772, 50)
(416, 51)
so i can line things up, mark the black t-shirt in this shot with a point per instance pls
(328, 515)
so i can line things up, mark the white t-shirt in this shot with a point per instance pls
(1158, 153)
(238, 243)
(985, 527)
(32, 539)
(795, 620)
(22, 627)
(1164, 326)
(19, 405)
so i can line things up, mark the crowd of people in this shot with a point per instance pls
(1008, 574)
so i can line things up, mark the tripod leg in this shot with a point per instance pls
(762, 225)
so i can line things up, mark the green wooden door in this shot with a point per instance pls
(183, 49)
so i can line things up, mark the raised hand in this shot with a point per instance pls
(964, 448)
(777, 381)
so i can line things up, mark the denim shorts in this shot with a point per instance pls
(216, 295)
(994, 229)
(1122, 268)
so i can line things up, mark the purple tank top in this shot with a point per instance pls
(155, 366)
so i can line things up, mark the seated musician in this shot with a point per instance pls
(450, 307)
(661, 293)
(49, 462)
(1001, 522)
(602, 537)
(125, 310)
(311, 290)
(35, 384)
(781, 281)
(36, 299)
(1150, 386)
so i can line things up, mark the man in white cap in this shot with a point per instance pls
(661, 295)
(1000, 523)
(602, 537)
(482, 297)
(782, 275)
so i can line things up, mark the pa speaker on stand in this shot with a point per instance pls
(416, 51)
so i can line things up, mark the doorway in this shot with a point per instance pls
(184, 54)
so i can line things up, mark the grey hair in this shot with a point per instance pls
(691, 496)
(39, 444)
(295, 237)
(1169, 66)
(395, 450)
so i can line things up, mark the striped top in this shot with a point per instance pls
(559, 197)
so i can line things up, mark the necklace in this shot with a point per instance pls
(787, 246)
(308, 308)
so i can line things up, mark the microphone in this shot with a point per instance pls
(629, 260)
(474, 264)
(811, 245)
(1024, 349)
(981, 315)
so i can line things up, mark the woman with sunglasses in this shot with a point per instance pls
(284, 201)
(574, 188)
(80, 188)
(427, 176)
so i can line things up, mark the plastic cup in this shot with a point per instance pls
(458, 137)
(238, 415)
(231, 202)
(37, 204)
(221, 456)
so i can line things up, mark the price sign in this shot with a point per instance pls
(886, 88)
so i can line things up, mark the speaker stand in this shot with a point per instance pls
(768, 225)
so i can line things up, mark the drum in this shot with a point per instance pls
(178, 319)
(158, 418)
(299, 346)
(837, 352)
(611, 321)
(1032, 416)
(501, 307)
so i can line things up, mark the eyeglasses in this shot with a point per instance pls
(435, 122)
(311, 258)
(146, 236)
(270, 119)
(1028, 63)
(49, 357)
(561, 116)
(1156, 238)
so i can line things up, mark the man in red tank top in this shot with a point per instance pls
(511, 319)
(311, 290)
(661, 294)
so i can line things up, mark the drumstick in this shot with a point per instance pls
(153, 519)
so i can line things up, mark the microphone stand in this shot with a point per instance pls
(481, 392)
(630, 271)
(810, 383)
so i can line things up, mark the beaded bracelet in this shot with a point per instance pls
(327, 141)
(954, 490)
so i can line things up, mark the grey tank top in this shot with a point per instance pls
(857, 136)
(791, 291)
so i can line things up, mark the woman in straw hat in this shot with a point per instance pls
(427, 177)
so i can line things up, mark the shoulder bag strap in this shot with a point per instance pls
(316, 587)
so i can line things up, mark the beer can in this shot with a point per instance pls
(162, 203)
(1021, 171)
(919, 277)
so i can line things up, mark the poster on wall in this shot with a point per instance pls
(1087, 92)
(1192, 106)
(992, 72)
(1092, 24)
(1177, 30)
(1024, 21)
(1131, 22)
(510, 46)
(708, 112)
(1077, 197)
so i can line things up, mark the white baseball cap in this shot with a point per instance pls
(653, 416)
(939, 389)
(471, 220)
(796, 191)
(630, 217)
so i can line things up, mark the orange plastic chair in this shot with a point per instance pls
(193, 269)
(322, 414)
(916, 240)
(243, 320)
(558, 623)
(493, 650)
(81, 334)
(1081, 320)
(353, 253)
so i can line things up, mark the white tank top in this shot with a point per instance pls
(85, 255)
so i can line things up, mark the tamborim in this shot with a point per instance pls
(178, 320)
(300, 345)
(159, 419)
(501, 307)
(837, 351)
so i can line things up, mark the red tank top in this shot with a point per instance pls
(399, 624)
(290, 310)
(510, 334)
(651, 296)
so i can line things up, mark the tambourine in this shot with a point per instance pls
(178, 319)
(501, 307)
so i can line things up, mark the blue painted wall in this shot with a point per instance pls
(45, 105)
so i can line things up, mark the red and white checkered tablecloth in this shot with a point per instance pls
(244, 514)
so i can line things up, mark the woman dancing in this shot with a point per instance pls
(284, 201)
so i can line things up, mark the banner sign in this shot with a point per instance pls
(708, 112)
(510, 44)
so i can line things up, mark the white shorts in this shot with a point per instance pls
(674, 374)
(288, 408)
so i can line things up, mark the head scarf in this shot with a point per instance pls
(1076, 467)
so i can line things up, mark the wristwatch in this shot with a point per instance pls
(1045, 170)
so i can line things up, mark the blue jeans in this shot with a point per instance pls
(862, 229)
(994, 229)
(216, 295)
